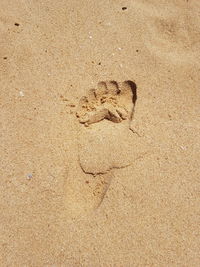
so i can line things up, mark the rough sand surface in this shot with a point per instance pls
(99, 194)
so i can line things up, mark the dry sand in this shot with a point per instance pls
(101, 195)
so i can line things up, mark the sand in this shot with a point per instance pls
(99, 194)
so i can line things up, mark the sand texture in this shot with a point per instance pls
(100, 133)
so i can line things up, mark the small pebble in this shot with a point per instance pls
(21, 93)
(119, 48)
(183, 147)
(29, 176)
(90, 37)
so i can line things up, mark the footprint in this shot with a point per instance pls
(111, 101)
(105, 144)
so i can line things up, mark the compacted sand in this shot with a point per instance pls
(109, 176)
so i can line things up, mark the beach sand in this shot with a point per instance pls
(99, 194)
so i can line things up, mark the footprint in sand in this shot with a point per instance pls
(110, 101)
(105, 142)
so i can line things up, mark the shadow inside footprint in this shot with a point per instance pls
(133, 88)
